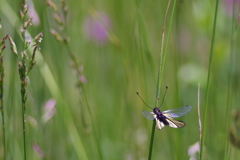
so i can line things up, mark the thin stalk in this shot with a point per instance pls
(93, 126)
(23, 74)
(3, 46)
(3, 120)
(76, 66)
(23, 68)
(23, 77)
(23, 86)
(160, 74)
(199, 115)
(151, 142)
(208, 79)
(160, 69)
(168, 36)
(230, 74)
(24, 129)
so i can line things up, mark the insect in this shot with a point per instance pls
(165, 118)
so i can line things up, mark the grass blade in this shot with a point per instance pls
(151, 143)
(160, 69)
(208, 79)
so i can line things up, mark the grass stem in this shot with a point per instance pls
(208, 79)
(230, 76)
(76, 66)
(199, 116)
(160, 74)
(160, 69)
(24, 130)
(2, 47)
(151, 142)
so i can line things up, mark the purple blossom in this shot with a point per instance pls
(38, 150)
(194, 150)
(48, 110)
(32, 13)
(228, 5)
(82, 79)
(96, 28)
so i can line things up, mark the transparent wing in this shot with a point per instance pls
(178, 112)
(175, 123)
(148, 115)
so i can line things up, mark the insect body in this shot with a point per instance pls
(165, 118)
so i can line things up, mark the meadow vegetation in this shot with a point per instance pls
(89, 58)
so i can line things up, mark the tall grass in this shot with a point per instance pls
(3, 46)
(231, 66)
(208, 79)
(76, 66)
(160, 69)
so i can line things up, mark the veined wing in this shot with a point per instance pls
(178, 112)
(175, 123)
(148, 115)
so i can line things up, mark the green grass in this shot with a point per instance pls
(104, 120)
(208, 81)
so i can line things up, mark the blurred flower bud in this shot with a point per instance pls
(48, 110)
(96, 27)
(194, 150)
(82, 79)
(32, 13)
(38, 150)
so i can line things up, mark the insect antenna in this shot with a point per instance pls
(143, 100)
(164, 96)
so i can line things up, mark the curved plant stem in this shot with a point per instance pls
(168, 37)
(208, 80)
(160, 69)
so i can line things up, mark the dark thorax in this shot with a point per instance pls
(160, 116)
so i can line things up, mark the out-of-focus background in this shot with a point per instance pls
(118, 45)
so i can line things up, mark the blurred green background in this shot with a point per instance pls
(118, 45)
